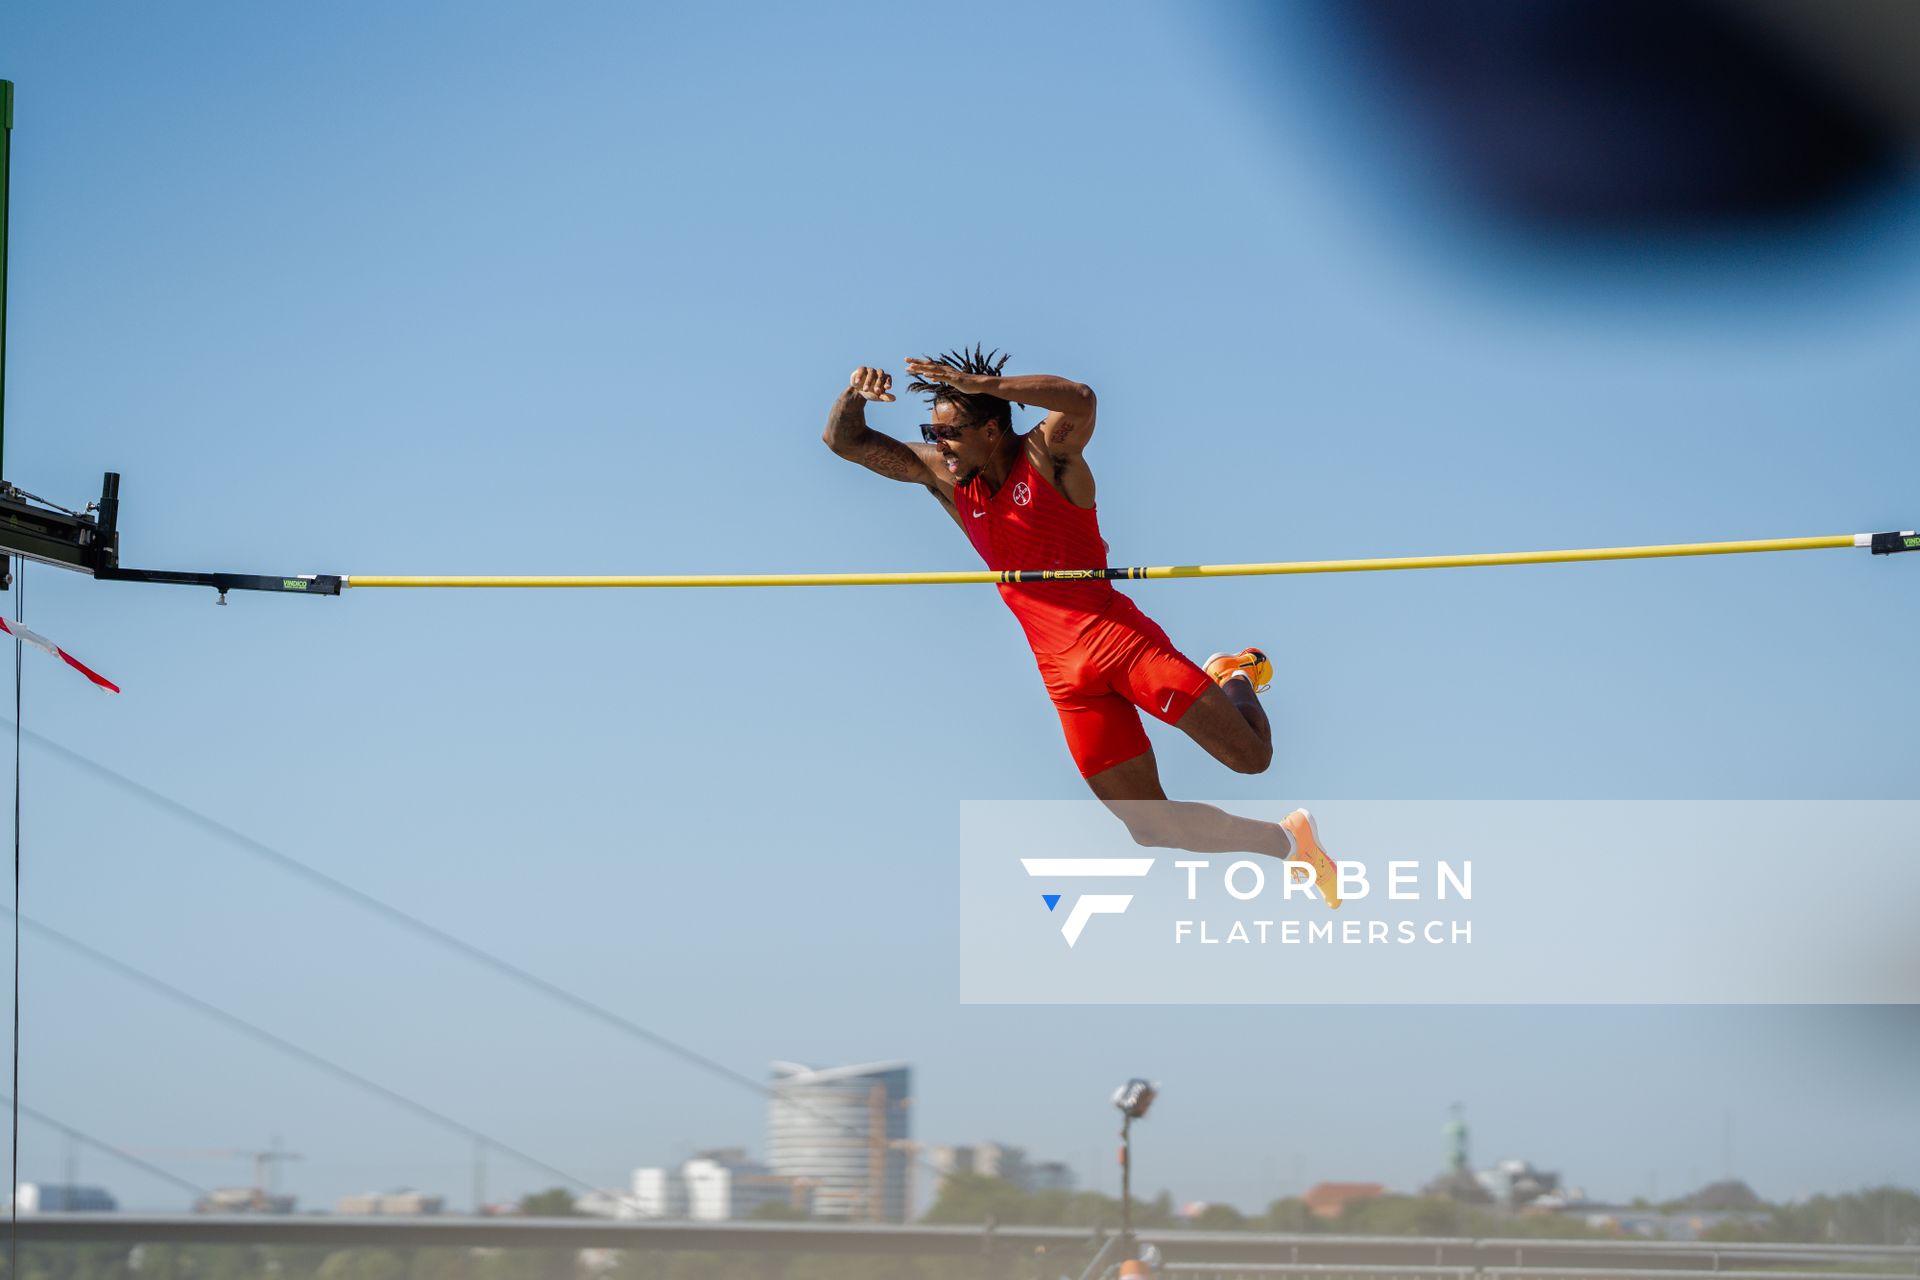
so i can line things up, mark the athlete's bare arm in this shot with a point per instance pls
(1057, 444)
(849, 436)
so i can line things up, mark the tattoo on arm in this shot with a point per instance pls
(849, 436)
(847, 423)
(888, 457)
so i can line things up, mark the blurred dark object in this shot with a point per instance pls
(1134, 1097)
(1629, 113)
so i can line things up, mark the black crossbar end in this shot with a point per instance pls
(317, 584)
(1886, 544)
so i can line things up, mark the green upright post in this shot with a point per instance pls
(6, 170)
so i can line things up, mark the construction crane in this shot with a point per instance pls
(262, 1197)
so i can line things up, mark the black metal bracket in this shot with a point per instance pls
(312, 584)
(90, 543)
(1885, 544)
(65, 539)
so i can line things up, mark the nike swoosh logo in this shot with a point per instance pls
(1169, 703)
(978, 514)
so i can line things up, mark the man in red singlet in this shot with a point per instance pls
(1025, 501)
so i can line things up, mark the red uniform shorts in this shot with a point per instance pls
(1120, 665)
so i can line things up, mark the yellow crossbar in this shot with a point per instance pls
(955, 577)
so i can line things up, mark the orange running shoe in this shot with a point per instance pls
(1306, 848)
(1250, 663)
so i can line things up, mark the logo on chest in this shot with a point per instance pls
(1022, 495)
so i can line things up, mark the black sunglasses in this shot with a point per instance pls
(934, 432)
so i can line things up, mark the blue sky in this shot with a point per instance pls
(496, 288)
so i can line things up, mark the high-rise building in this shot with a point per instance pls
(844, 1131)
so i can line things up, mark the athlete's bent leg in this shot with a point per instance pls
(1241, 694)
(1228, 722)
(1132, 791)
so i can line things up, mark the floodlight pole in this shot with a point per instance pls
(1126, 1184)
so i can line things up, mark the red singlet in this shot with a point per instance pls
(1100, 656)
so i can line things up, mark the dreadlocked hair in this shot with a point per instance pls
(975, 410)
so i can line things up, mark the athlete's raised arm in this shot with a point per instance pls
(849, 436)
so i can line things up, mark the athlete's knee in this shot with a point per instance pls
(1153, 833)
(1150, 823)
(1251, 757)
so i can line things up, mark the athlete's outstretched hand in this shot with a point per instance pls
(934, 371)
(872, 384)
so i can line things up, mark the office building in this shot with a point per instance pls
(845, 1132)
